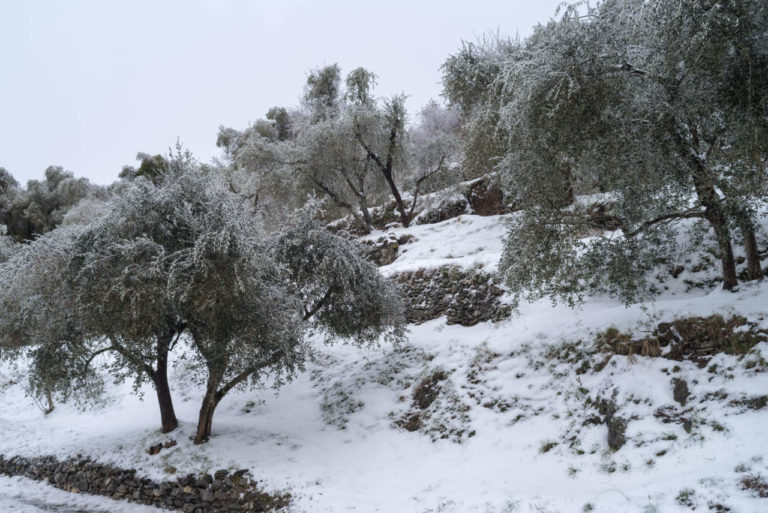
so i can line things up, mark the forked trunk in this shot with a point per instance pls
(401, 209)
(205, 420)
(366, 215)
(713, 212)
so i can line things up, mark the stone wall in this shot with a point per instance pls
(221, 492)
(465, 297)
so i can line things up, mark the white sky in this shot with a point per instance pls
(88, 84)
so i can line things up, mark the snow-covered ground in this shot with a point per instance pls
(508, 429)
(466, 241)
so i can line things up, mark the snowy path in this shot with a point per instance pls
(19, 495)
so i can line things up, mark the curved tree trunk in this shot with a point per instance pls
(205, 419)
(49, 398)
(164, 400)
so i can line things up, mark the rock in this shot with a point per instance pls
(383, 253)
(600, 215)
(486, 198)
(446, 210)
(680, 391)
(617, 428)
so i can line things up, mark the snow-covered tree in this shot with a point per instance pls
(471, 85)
(647, 101)
(322, 92)
(41, 205)
(39, 319)
(151, 167)
(350, 147)
(248, 299)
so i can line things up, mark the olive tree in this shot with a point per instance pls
(350, 147)
(248, 297)
(100, 287)
(42, 204)
(471, 85)
(39, 322)
(644, 101)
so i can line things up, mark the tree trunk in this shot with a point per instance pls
(367, 222)
(569, 195)
(205, 420)
(160, 380)
(704, 185)
(713, 212)
(727, 261)
(404, 217)
(48, 397)
(754, 270)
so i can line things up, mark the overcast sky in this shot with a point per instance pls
(88, 84)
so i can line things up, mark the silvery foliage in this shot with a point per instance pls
(7, 245)
(39, 322)
(339, 289)
(435, 149)
(185, 255)
(642, 100)
(230, 291)
(471, 85)
(347, 146)
(42, 204)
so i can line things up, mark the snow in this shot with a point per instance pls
(330, 437)
(465, 241)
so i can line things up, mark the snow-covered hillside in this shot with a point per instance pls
(498, 417)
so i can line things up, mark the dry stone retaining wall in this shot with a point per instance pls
(221, 492)
(465, 297)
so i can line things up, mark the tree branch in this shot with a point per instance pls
(420, 181)
(220, 393)
(130, 357)
(308, 314)
(666, 217)
(94, 355)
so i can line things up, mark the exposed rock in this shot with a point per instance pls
(384, 250)
(617, 428)
(600, 215)
(693, 338)
(486, 198)
(680, 391)
(447, 209)
(701, 337)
